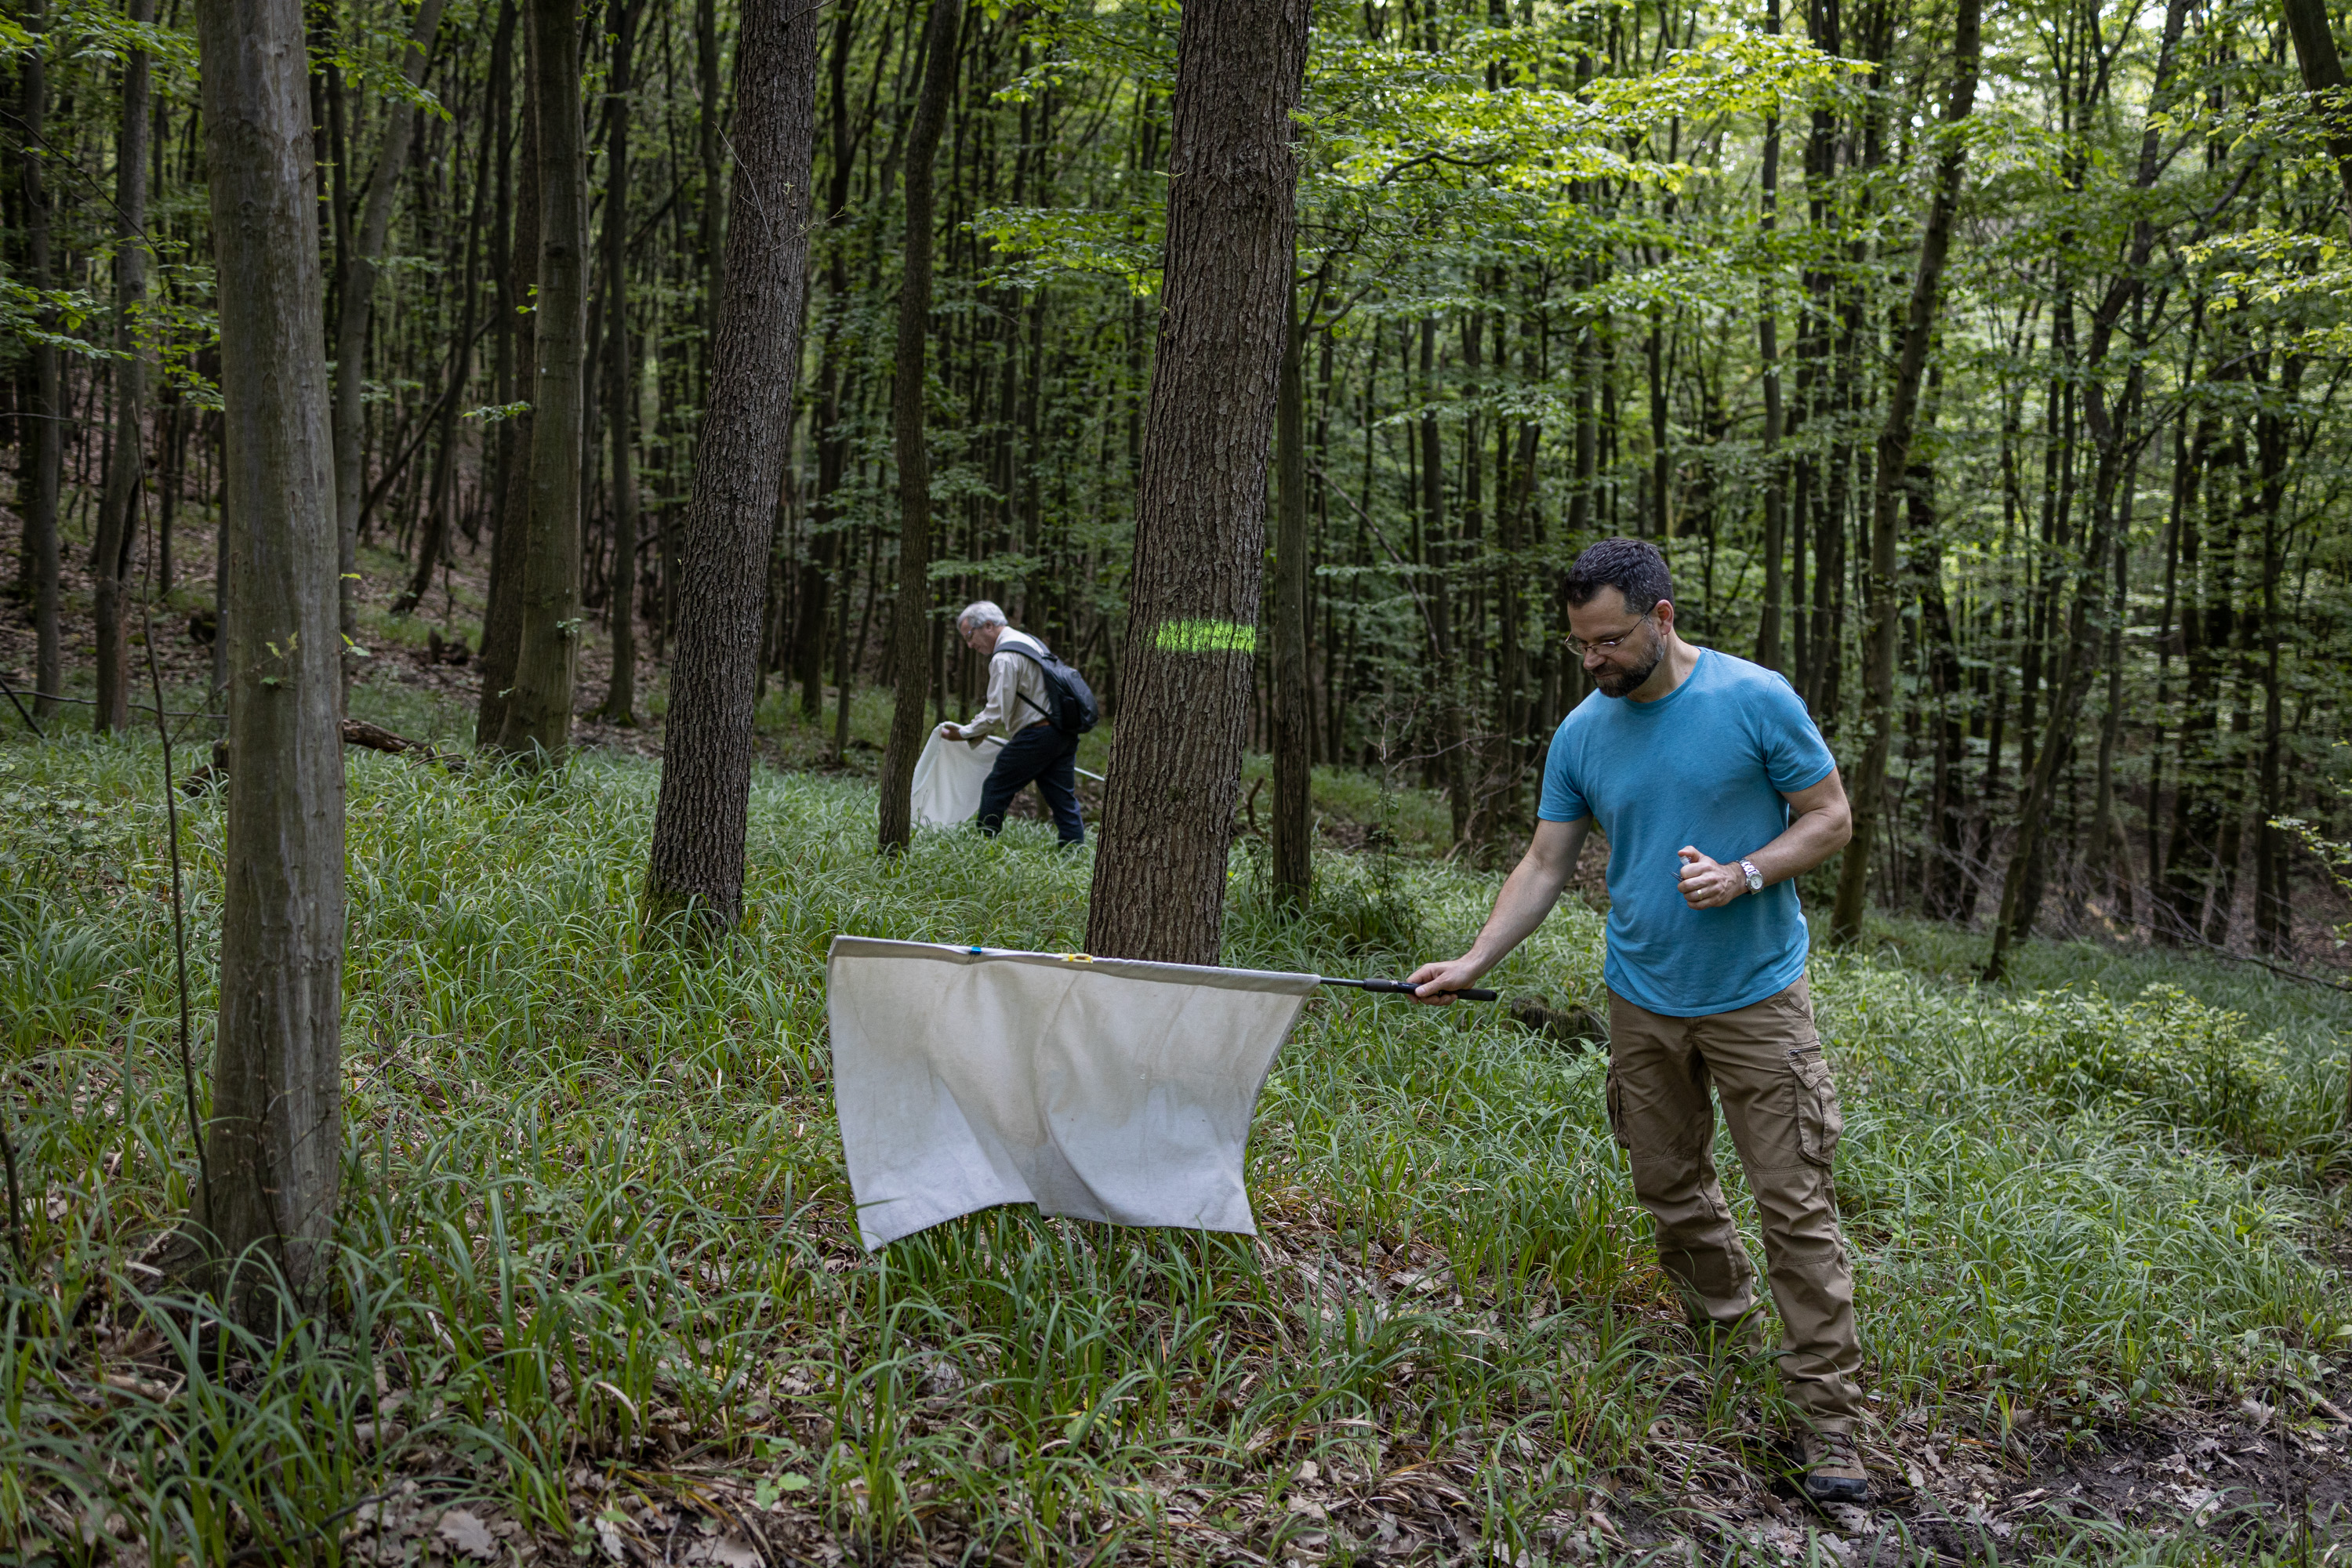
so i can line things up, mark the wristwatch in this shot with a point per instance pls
(1755, 878)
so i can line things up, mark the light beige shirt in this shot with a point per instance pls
(1011, 679)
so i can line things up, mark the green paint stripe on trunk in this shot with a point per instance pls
(1206, 637)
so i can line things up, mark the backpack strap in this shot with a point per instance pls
(1043, 672)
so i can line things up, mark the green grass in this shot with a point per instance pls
(596, 1249)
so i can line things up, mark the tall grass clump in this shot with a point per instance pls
(596, 1269)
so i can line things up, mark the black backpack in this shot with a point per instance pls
(1073, 709)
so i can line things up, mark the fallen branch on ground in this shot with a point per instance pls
(376, 738)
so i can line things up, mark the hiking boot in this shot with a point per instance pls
(1833, 1471)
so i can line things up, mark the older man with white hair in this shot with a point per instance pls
(1018, 705)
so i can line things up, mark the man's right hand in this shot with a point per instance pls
(1435, 983)
(1527, 895)
(951, 731)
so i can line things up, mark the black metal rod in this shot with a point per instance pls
(1407, 988)
(999, 739)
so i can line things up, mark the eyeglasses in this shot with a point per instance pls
(1580, 648)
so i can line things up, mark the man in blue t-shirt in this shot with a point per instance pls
(1715, 791)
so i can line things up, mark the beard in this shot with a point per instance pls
(1616, 682)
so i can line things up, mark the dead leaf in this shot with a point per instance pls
(466, 1534)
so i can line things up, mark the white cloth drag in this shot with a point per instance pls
(1102, 1089)
(948, 777)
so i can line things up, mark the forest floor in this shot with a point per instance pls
(597, 1294)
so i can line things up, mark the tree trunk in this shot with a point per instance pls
(2021, 880)
(1887, 489)
(538, 727)
(1200, 536)
(1947, 871)
(1662, 518)
(2109, 846)
(2273, 909)
(126, 463)
(39, 473)
(1294, 817)
(1436, 555)
(502, 614)
(274, 1144)
(910, 624)
(706, 133)
(436, 541)
(2181, 892)
(1767, 345)
(2323, 77)
(698, 826)
(620, 386)
(171, 430)
(828, 549)
(832, 549)
(354, 311)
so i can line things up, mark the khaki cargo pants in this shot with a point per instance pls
(1765, 1062)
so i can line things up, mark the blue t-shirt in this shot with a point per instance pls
(1704, 765)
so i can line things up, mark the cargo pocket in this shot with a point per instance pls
(1820, 1123)
(1616, 1095)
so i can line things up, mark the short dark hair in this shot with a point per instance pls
(1632, 566)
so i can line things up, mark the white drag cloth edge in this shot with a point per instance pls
(948, 779)
(1102, 1089)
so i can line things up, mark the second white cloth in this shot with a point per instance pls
(948, 777)
(1102, 1089)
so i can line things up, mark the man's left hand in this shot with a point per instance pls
(1709, 884)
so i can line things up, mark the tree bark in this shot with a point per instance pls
(1160, 876)
(911, 625)
(699, 824)
(1946, 873)
(126, 464)
(354, 311)
(828, 546)
(1887, 484)
(706, 133)
(171, 430)
(435, 541)
(274, 1143)
(502, 611)
(1294, 825)
(831, 549)
(2323, 77)
(39, 471)
(538, 728)
(2273, 912)
(1767, 346)
(620, 696)
(2109, 845)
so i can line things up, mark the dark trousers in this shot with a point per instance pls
(1047, 758)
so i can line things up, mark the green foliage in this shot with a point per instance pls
(2164, 1056)
(595, 1214)
(1508, 106)
(34, 316)
(1365, 917)
(80, 33)
(2333, 854)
